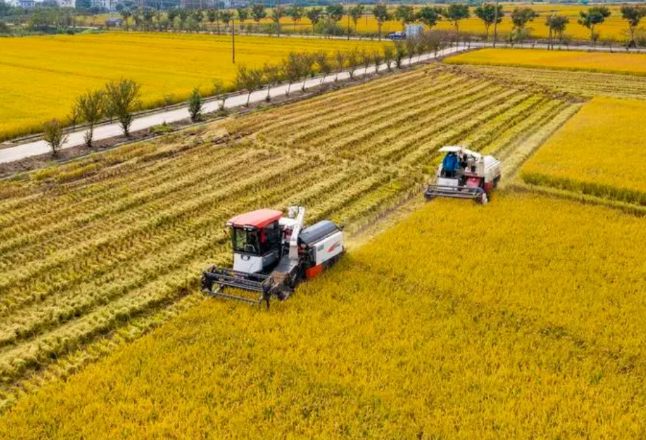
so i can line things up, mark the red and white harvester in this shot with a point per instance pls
(465, 174)
(272, 254)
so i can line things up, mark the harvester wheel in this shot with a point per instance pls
(482, 199)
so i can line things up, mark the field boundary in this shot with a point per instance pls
(585, 49)
(628, 208)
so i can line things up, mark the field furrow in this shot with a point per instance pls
(286, 114)
(415, 125)
(459, 122)
(516, 133)
(363, 114)
(336, 135)
(128, 212)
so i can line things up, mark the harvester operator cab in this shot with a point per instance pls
(255, 241)
(256, 238)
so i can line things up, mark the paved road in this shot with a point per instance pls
(145, 121)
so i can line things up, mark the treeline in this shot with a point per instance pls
(336, 19)
(328, 20)
(301, 66)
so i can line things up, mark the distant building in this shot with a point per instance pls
(66, 3)
(26, 4)
(104, 4)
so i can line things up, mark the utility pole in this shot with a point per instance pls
(233, 39)
(348, 27)
(495, 25)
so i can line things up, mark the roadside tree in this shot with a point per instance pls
(380, 11)
(456, 12)
(389, 56)
(258, 12)
(296, 13)
(314, 15)
(405, 14)
(91, 108)
(356, 12)
(273, 76)
(591, 18)
(335, 11)
(53, 134)
(195, 105)
(340, 60)
(489, 14)
(121, 99)
(556, 25)
(429, 16)
(219, 91)
(633, 15)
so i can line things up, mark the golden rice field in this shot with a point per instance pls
(96, 252)
(601, 152)
(580, 83)
(521, 319)
(42, 76)
(622, 63)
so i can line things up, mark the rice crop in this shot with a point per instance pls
(520, 319)
(601, 152)
(623, 63)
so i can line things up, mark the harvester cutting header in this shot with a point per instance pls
(272, 254)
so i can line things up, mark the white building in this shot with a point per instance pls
(110, 5)
(66, 3)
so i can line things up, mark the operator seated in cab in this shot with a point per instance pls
(450, 164)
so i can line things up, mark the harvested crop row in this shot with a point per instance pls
(581, 83)
(286, 114)
(513, 134)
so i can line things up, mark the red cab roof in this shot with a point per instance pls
(258, 219)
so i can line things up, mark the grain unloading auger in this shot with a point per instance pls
(465, 174)
(272, 254)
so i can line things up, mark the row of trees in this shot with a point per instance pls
(117, 99)
(492, 14)
(326, 20)
(300, 66)
(594, 16)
